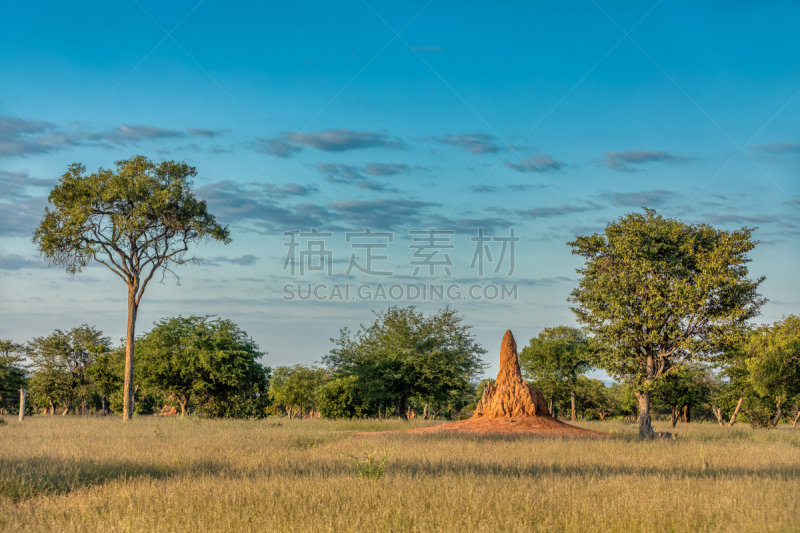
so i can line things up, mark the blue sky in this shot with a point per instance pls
(552, 118)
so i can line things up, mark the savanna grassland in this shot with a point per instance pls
(162, 474)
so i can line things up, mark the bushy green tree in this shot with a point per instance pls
(342, 398)
(686, 387)
(295, 388)
(404, 354)
(207, 365)
(593, 398)
(60, 367)
(774, 362)
(552, 362)
(657, 293)
(106, 371)
(138, 220)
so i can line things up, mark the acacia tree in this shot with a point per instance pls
(207, 363)
(553, 361)
(404, 354)
(137, 220)
(657, 293)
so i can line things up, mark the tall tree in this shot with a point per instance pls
(404, 354)
(774, 362)
(553, 361)
(208, 364)
(137, 220)
(657, 293)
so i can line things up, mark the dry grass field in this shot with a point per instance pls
(159, 474)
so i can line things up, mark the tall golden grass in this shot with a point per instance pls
(158, 474)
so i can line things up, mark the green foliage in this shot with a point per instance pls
(404, 355)
(660, 291)
(295, 388)
(106, 372)
(774, 358)
(657, 293)
(341, 398)
(554, 359)
(137, 220)
(370, 466)
(61, 363)
(207, 365)
(12, 369)
(594, 399)
(689, 384)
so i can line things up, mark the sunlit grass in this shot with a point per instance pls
(157, 474)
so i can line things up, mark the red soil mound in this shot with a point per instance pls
(511, 406)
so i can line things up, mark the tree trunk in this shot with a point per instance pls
(52, 408)
(67, 408)
(103, 400)
(574, 407)
(778, 414)
(735, 412)
(183, 406)
(127, 390)
(425, 412)
(687, 413)
(718, 413)
(674, 417)
(401, 409)
(22, 394)
(645, 425)
(794, 422)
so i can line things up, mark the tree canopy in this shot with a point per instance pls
(554, 359)
(208, 365)
(138, 220)
(404, 354)
(295, 387)
(656, 293)
(774, 361)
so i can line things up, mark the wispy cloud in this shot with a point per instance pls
(360, 175)
(20, 137)
(476, 143)
(653, 198)
(550, 212)
(17, 262)
(540, 162)
(728, 218)
(206, 133)
(334, 140)
(247, 259)
(290, 189)
(625, 161)
(777, 150)
(429, 49)
(383, 213)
